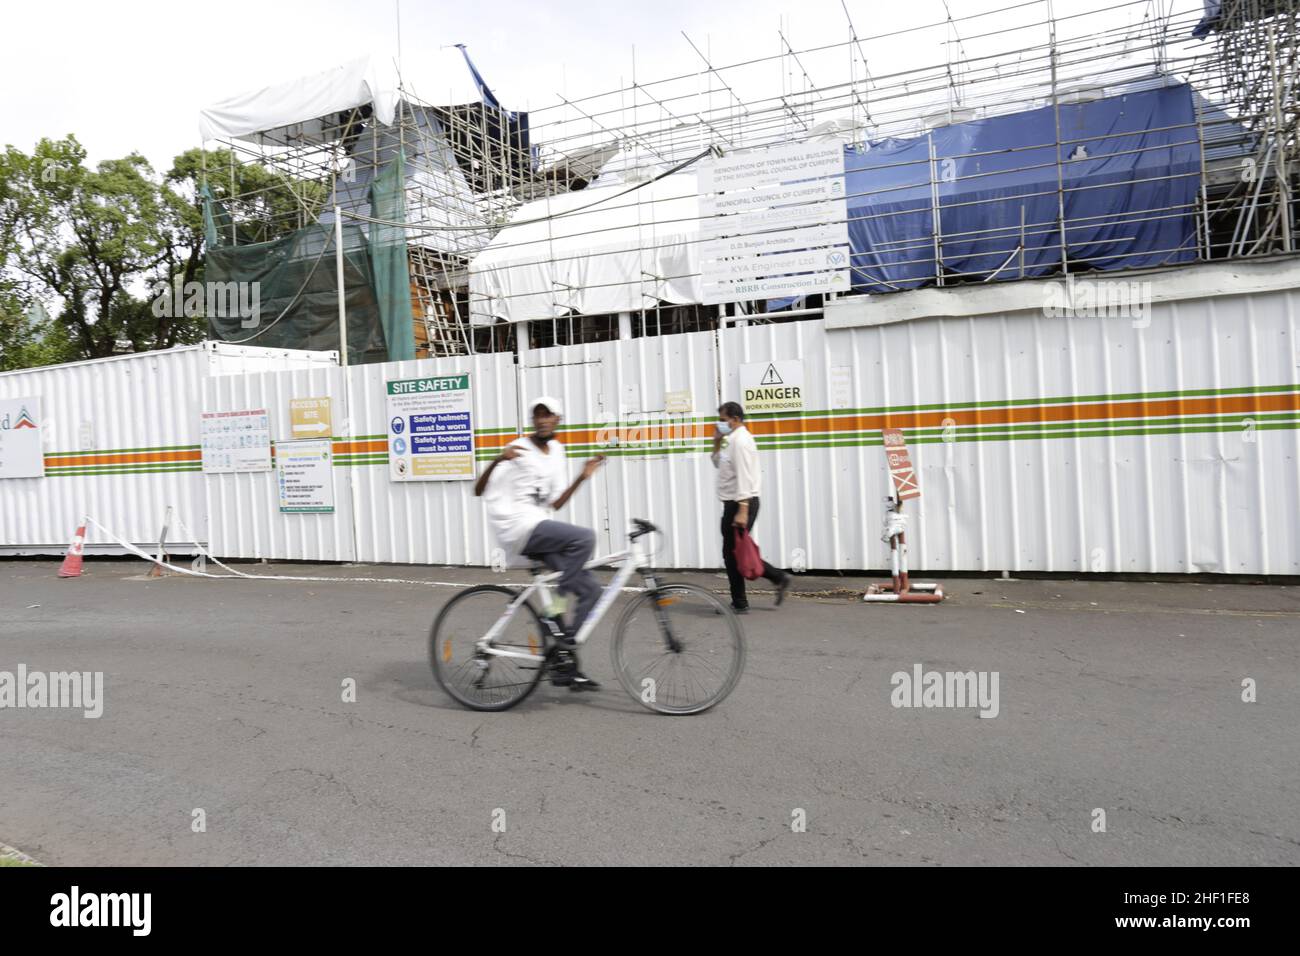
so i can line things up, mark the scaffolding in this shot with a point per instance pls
(466, 167)
(477, 171)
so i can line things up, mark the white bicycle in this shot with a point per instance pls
(677, 648)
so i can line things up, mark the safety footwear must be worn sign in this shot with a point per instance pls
(772, 387)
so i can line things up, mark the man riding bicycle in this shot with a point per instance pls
(520, 500)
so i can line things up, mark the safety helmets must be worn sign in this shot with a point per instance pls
(772, 387)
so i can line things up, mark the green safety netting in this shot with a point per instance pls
(296, 292)
(388, 260)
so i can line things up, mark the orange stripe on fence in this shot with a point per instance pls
(125, 458)
(357, 447)
(1163, 408)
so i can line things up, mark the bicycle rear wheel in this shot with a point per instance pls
(678, 649)
(479, 681)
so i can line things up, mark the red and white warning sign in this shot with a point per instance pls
(900, 464)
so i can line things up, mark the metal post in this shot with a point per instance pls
(935, 228)
(625, 325)
(338, 273)
(1056, 118)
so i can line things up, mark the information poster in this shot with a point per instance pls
(305, 475)
(430, 429)
(21, 455)
(236, 441)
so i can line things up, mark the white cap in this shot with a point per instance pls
(550, 401)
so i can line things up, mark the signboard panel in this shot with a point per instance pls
(236, 441)
(808, 283)
(777, 164)
(753, 200)
(21, 452)
(310, 418)
(781, 217)
(783, 263)
(305, 476)
(900, 464)
(783, 240)
(772, 387)
(430, 429)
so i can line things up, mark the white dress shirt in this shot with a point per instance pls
(739, 477)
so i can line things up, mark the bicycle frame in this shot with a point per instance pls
(629, 562)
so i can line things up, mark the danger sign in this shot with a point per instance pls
(772, 387)
(900, 464)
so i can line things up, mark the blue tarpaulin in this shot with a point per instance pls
(1129, 173)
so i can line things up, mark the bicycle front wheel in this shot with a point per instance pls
(678, 649)
(477, 680)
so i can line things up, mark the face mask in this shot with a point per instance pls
(724, 428)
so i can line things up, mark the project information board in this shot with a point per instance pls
(305, 476)
(430, 429)
(775, 223)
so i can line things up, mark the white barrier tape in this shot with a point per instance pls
(272, 577)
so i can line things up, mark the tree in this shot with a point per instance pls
(93, 239)
(97, 244)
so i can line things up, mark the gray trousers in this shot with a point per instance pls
(566, 548)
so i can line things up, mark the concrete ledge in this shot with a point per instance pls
(1199, 281)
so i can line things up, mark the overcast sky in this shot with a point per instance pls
(132, 75)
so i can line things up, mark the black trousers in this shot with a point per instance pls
(736, 579)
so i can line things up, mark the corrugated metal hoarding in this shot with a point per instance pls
(1062, 444)
(121, 443)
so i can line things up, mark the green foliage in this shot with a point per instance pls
(92, 244)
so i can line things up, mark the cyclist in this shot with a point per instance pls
(520, 501)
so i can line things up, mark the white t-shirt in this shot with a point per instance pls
(521, 491)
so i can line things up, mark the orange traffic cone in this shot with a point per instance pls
(72, 562)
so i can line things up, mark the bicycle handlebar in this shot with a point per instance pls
(642, 527)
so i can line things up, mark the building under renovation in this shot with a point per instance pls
(1043, 142)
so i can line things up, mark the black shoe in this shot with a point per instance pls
(782, 588)
(565, 672)
(740, 610)
(581, 681)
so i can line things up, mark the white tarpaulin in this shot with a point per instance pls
(300, 103)
(288, 113)
(596, 251)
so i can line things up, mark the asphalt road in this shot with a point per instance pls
(225, 696)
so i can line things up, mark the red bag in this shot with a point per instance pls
(748, 560)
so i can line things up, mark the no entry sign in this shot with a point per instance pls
(900, 464)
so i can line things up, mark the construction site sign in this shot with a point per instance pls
(21, 455)
(900, 464)
(305, 476)
(772, 387)
(236, 441)
(775, 222)
(310, 418)
(430, 429)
